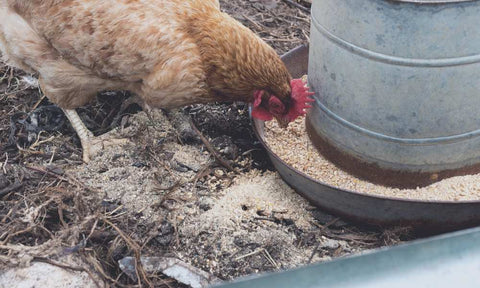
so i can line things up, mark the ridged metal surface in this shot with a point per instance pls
(445, 261)
(397, 82)
(422, 215)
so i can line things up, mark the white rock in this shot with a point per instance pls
(44, 275)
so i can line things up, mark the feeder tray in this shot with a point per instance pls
(424, 216)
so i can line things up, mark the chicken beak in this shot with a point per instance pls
(282, 122)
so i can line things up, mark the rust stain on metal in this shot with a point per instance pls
(375, 174)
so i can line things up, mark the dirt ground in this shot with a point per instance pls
(162, 195)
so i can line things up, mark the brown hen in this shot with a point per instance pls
(169, 53)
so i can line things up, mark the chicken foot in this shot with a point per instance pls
(91, 145)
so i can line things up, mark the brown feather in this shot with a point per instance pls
(170, 53)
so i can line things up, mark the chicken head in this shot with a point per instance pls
(267, 107)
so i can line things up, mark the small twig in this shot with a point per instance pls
(53, 155)
(250, 254)
(293, 3)
(210, 148)
(315, 250)
(30, 152)
(11, 235)
(4, 166)
(39, 142)
(4, 219)
(38, 102)
(200, 174)
(270, 258)
(322, 229)
(350, 237)
(136, 249)
(100, 271)
(258, 26)
(265, 219)
(330, 223)
(92, 230)
(306, 36)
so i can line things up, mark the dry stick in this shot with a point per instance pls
(270, 259)
(322, 229)
(4, 166)
(38, 102)
(250, 254)
(102, 273)
(10, 212)
(258, 26)
(210, 148)
(200, 174)
(39, 142)
(10, 235)
(92, 230)
(293, 3)
(136, 249)
(352, 237)
(9, 82)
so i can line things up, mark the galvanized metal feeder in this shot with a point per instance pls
(397, 93)
(397, 87)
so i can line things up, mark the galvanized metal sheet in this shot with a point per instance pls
(446, 261)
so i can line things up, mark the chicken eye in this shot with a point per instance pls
(275, 105)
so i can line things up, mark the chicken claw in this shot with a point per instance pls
(91, 145)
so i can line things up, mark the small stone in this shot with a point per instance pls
(139, 164)
(165, 235)
(329, 244)
(205, 206)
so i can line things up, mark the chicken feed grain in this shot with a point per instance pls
(308, 160)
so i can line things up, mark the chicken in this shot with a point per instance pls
(169, 53)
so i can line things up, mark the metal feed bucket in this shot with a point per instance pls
(424, 217)
(398, 88)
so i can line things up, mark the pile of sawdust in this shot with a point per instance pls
(123, 176)
(257, 218)
(253, 195)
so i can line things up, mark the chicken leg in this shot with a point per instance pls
(91, 145)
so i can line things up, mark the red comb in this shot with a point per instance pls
(300, 99)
